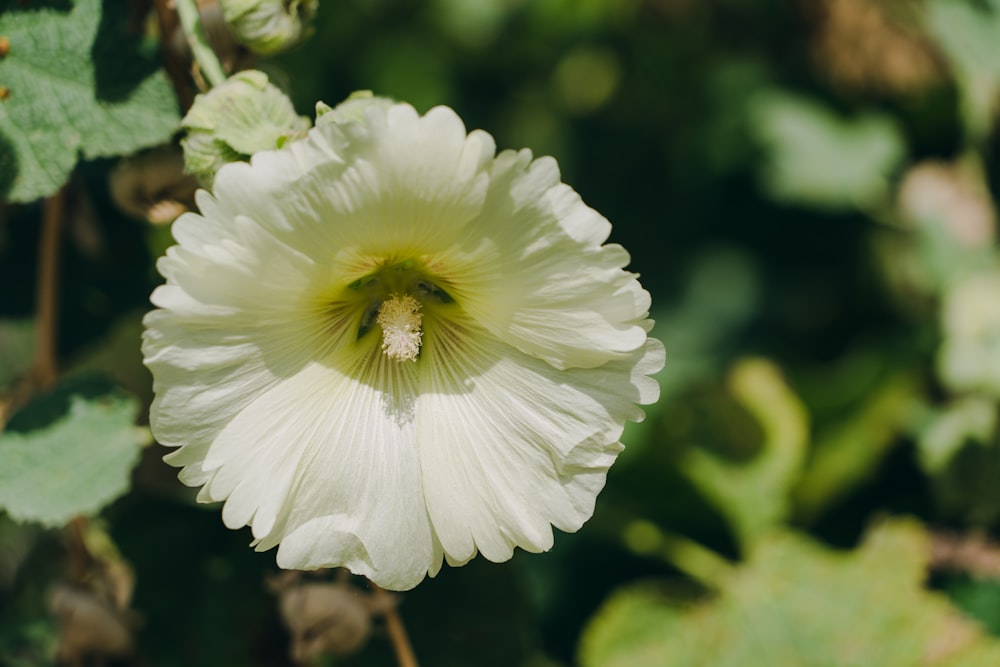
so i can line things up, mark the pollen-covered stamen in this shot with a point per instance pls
(400, 320)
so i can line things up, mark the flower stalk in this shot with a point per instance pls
(46, 294)
(397, 631)
(208, 62)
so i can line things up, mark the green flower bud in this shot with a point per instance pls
(351, 109)
(233, 121)
(269, 26)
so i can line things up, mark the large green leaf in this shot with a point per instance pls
(70, 453)
(78, 82)
(798, 603)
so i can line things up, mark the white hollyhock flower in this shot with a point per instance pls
(384, 345)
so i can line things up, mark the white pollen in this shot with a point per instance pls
(400, 320)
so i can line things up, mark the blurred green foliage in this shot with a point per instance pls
(795, 603)
(808, 190)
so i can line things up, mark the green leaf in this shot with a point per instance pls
(756, 495)
(817, 158)
(68, 454)
(798, 603)
(78, 83)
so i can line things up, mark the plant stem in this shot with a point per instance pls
(167, 21)
(208, 62)
(698, 562)
(46, 290)
(397, 632)
(80, 562)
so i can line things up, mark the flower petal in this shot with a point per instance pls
(397, 184)
(510, 445)
(325, 462)
(542, 280)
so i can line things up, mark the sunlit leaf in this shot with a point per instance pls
(798, 603)
(74, 463)
(76, 82)
(815, 157)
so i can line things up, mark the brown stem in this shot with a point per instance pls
(971, 553)
(80, 562)
(46, 291)
(166, 18)
(397, 631)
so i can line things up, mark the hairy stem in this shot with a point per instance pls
(208, 62)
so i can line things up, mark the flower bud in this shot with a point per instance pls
(233, 121)
(351, 109)
(269, 26)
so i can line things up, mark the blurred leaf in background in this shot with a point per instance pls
(797, 603)
(815, 157)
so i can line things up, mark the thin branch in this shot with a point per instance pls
(208, 62)
(971, 553)
(47, 289)
(80, 562)
(397, 631)
(645, 538)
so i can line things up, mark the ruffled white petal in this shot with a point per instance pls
(509, 445)
(398, 185)
(325, 462)
(533, 269)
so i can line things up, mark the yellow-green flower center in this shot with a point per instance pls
(394, 297)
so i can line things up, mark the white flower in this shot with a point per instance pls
(384, 344)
